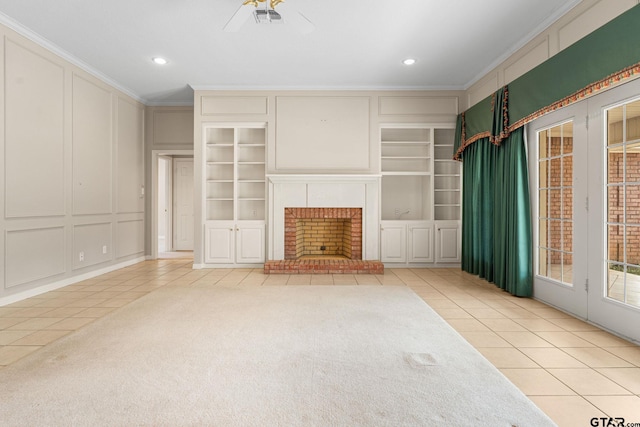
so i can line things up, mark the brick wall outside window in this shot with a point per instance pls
(616, 209)
(560, 206)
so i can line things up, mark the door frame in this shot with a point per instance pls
(155, 154)
(168, 198)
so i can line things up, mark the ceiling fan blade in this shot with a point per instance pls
(294, 17)
(239, 18)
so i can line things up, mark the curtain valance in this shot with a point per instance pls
(603, 58)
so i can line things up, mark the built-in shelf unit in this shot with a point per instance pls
(420, 194)
(235, 191)
(446, 181)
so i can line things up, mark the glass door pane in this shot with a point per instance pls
(555, 204)
(623, 207)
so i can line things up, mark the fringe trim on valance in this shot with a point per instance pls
(592, 89)
(628, 73)
(497, 138)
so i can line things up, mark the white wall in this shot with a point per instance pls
(583, 19)
(72, 172)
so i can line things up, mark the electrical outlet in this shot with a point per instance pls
(104, 249)
(254, 213)
(81, 256)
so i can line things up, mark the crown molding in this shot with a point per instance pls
(57, 50)
(563, 10)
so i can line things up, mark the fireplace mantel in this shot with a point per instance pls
(325, 191)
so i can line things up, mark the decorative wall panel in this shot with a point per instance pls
(225, 105)
(92, 148)
(130, 157)
(322, 133)
(34, 254)
(130, 238)
(34, 134)
(94, 241)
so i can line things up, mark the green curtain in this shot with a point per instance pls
(496, 219)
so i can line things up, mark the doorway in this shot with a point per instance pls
(585, 181)
(172, 225)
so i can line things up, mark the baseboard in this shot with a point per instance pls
(66, 282)
(420, 265)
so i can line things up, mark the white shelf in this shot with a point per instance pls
(235, 172)
(418, 173)
(407, 173)
(406, 142)
(406, 157)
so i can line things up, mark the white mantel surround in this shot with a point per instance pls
(325, 191)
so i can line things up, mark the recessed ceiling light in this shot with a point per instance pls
(409, 61)
(159, 61)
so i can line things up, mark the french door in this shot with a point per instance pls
(558, 182)
(614, 193)
(585, 184)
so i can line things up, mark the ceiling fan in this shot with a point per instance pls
(269, 15)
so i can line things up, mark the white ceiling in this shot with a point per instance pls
(355, 45)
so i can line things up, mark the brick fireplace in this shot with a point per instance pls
(318, 232)
(349, 202)
(323, 240)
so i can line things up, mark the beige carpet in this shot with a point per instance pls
(265, 356)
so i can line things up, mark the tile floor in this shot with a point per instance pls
(572, 370)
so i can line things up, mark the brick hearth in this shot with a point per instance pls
(323, 266)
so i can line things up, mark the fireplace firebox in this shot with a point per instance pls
(315, 233)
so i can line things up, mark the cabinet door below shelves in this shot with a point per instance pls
(393, 239)
(448, 243)
(250, 244)
(219, 243)
(420, 243)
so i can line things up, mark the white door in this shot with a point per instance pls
(421, 243)
(393, 242)
(448, 242)
(614, 210)
(558, 185)
(219, 242)
(183, 203)
(250, 243)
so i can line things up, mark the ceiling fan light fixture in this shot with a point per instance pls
(409, 61)
(267, 16)
(159, 60)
